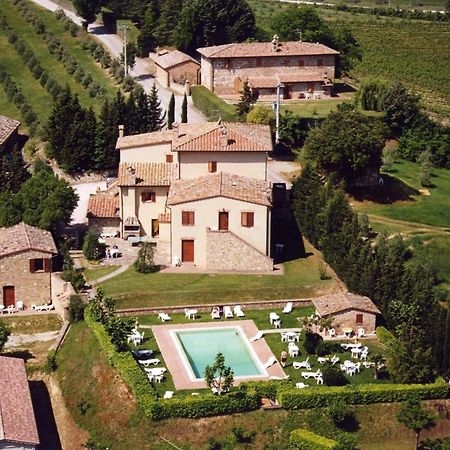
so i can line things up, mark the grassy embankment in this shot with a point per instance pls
(35, 94)
(300, 280)
(110, 414)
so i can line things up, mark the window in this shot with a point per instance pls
(258, 62)
(320, 62)
(212, 166)
(247, 218)
(359, 319)
(40, 265)
(148, 196)
(187, 218)
(169, 158)
(226, 63)
(301, 63)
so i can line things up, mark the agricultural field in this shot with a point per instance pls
(37, 96)
(413, 51)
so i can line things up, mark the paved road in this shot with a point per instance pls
(114, 44)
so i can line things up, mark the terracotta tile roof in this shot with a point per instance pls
(164, 218)
(17, 421)
(22, 237)
(139, 140)
(171, 59)
(259, 49)
(103, 205)
(221, 184)
(263, 82)
(147, 174)
(335, 303)
(230, 137)
(7, 127)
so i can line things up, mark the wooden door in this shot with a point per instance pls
(9, 296)
(311, 87)
(187, 250)
(155, 227)
(223, 220)
(287, 91)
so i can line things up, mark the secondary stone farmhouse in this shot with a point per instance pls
(349, 311)
(25, 265)
(302, 69)
(9, 129)
(201, 190)
(18, 430)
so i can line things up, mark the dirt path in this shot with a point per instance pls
(71, 435)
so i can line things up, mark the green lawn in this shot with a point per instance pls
(300, 280)
(95, 273)
(35, 94)
(33, 324)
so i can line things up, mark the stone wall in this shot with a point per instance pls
(228, 253)
(187, 71)
(105, 224)
(347, 319)
(31, 288)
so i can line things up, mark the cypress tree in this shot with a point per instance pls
(156, 116)
(146, 39)
(106, 156)
(133, 123)
(143, 110)
(184, 110)
(170, 14)
(245, 103)
(171, 112)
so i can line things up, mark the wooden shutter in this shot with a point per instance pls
(212, 166)
(47, 264)
(187, 218)
(359, 319)
(152, 197)
(32, 269)
(169, 158)
(247, 219)
(148, 197)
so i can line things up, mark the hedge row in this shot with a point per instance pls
(307, 440)
(212, 106)
(245, 399)
(363, 394)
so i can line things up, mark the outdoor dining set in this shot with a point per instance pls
(144, 358)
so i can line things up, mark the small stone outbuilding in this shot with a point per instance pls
(175, 67)
(350, 311)
(9, 129)
(26, 256)
(103, 213)
(18, 430)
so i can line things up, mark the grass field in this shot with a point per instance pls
(300, 280)
(391, 48)
(33, 324)
(37, 96)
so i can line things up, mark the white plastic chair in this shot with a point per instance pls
(238, 311)
(227, 312)
(288, 308)
(19, 305)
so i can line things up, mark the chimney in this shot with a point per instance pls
(121, 130)
(223, 136)
(175, 131)
(131, 175)
(275, 43)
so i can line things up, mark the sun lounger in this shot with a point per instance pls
(227, 312)
(274, 377)
(302, 364)
(288, 308)
(238, 311)
(164, 317)
(168, 394)
(257, 336)
(149, 362)
(142, 354)
(270, 362)
(215, 313)
(307, 375)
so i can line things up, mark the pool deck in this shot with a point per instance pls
(176, 365)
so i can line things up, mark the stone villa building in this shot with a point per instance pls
(25, 265)
(302, 69)
(201, 190)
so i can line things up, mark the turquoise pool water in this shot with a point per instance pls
(202, 346)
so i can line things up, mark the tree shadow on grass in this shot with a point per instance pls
(390, 191)
(45, 420)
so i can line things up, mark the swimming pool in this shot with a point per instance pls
(201, 346)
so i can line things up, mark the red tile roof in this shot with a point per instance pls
(7, 127)
(103, 205)
(171, 59)
(221, 184)
(17, 421)
(260, 49)
(146, 174)
(22, 237)
(343, 301)
(140, 140)
(230, 137)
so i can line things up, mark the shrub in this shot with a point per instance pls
(145, 260)
(76, 308)
(93, 250)
(74, 277)
(311, 342)
(333, 376)
(87, 80)
(128, 84)
(51, 364)
(342, 415)
(4, 334)
(307, 440)
(74, 29)
(44, 78)
(37, 71)
(327, 348)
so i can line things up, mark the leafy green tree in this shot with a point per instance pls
(93, 250)
(132, 52)
(245, 103)
(146, 40)
(333, 375)
(10, 209)
(4, 333)
(87, 9)
(347, 144)
(76, 308)
(219, 376)
(213, 22)
(145, 261)
(262, 115)
(184, 110)
(371, 95)
(416, 418)
(156, 116)
(401, 108)
(426, 168)
(171, 112)
(13, 171)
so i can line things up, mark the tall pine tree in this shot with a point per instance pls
(171, 112)
(156, 115)
(184, 110)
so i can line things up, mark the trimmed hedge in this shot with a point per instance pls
(190, 407)
(307, 440)
(363, 394)
(211, 105)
